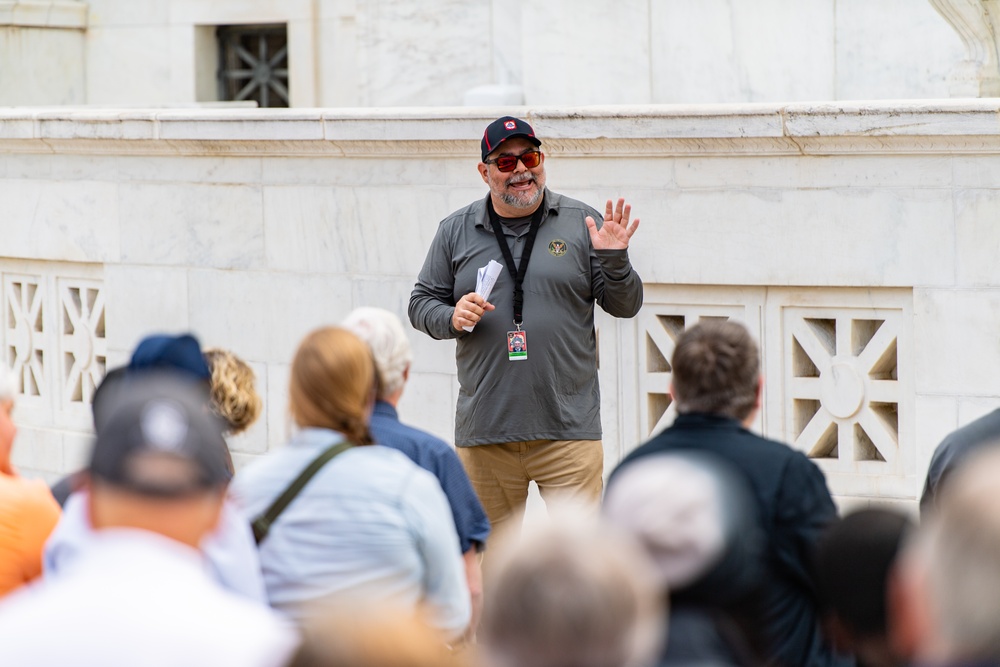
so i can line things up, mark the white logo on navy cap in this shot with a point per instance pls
(164, 426)
(510, 125)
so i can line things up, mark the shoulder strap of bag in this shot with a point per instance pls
(262, 524)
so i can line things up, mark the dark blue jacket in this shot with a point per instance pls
(955, 448)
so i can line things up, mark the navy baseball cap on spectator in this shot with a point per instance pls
(179, 353)
(159, 440)
(503, 129)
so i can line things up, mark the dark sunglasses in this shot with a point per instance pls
(530, 160)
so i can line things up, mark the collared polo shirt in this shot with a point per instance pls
(554, 393)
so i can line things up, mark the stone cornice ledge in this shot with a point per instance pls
(885, 127)
(44, 14)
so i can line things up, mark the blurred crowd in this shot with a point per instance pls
(361, 543)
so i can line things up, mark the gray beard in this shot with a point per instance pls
(512, 200)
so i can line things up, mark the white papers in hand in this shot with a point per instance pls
(486, 278)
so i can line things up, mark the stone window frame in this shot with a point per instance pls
(192, 20)
(258, 71)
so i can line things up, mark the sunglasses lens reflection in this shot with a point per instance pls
(530, 160)
(507, 163)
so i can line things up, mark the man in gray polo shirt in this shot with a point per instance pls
(529, 402)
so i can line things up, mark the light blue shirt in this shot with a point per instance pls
(370, 523)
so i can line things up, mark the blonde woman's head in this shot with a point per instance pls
(332, 383)
(234, 390)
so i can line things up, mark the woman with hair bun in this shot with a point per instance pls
(370, 524)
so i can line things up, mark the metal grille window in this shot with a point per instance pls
(253, 64)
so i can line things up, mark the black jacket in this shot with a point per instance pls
(794, 507)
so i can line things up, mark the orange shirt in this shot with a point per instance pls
(28, 513)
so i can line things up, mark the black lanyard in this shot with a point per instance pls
(508, 257)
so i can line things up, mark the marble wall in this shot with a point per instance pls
(775, 50)
(341, 52)
(380, 53)
(856, 241)
(42, 47)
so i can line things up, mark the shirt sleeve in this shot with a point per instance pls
(67, 538)
(26, 524)
(232, 553)
(804, 510)
(432, 301)
(946, 458)
(617, 287)
(470, 518)
(446, 592)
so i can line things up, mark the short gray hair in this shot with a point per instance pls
(571, 593)
(385, 336)
(8, 383)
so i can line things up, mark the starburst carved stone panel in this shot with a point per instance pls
(82, 343)
(54, 338)
(843, 398)
(659, 327)
(839, 385)
(837, 366)
(25, 333)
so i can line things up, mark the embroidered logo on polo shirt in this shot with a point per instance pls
(557, 247)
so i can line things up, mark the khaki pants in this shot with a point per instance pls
(500, 474)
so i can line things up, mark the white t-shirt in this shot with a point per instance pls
(230, 552)
(131, 597)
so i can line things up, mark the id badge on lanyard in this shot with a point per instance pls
(517, 340)
(517, 345)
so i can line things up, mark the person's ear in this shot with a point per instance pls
(484, 172)
(214, 511)
(406, 373)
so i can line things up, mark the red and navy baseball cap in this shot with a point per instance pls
(503, 129)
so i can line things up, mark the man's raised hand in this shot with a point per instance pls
(616, 231)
